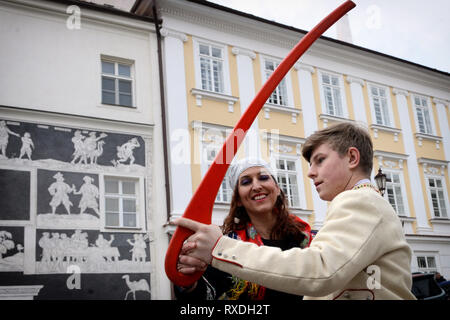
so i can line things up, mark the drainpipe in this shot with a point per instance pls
(163, 107)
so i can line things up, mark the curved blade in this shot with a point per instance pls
(201, 205)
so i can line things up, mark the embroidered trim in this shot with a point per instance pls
(366, 185)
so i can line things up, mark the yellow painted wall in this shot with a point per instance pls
(317, 101)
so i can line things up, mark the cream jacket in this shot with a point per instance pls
(359, 253)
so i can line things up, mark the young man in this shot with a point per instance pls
(359, 253)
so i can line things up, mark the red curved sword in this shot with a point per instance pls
(201, 205)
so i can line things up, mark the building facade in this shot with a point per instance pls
(216, 60)
(86, 187)
(81, 175)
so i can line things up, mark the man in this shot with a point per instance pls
(359, 253)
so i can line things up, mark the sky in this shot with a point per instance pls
(413, 30)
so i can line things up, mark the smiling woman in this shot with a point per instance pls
(258, 214)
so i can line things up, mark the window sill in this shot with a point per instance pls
(440, 220)
(328, 117)
(118, 107)
(123, 229)
(201, 94)
(406, 218)
(423, 136)
(268, 107)
(377, 127)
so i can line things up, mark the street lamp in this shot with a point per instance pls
(380, 179)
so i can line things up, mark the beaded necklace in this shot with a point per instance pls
(366, 185)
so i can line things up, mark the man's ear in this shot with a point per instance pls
(354, 157)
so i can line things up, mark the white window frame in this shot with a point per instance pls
(205, 163)
(140, 204)
(445, 193)
(287, 82)
(384, 113)
(116, 78)
(426, 256)
(277, 157)
(402, 186)
(226, 83)
(431, 129)
(343, 98)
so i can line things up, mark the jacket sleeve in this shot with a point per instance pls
(351, 239)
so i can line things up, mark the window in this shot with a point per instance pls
(436, 189)
(423, 115)
(121, 202)
(211, 66)
(117, 83)
(225, 193)
(287, 180)
(279, 96)
(380, 105)
(426, 263)
(394, 192)
(332, 95)
(211, 140)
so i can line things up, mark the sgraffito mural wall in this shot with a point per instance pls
(73, 216)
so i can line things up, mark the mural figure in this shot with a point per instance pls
(111, 254)
(125, 152)
(5, 242)
(45, 244)
(78, 143)
(87, 147)
(4, 137)
(27, 144)
(60, 190)
(139, 246)
(141, 285)
(90, 194)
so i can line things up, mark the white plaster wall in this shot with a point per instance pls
(46, 66)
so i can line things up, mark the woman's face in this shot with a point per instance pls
(257, 190)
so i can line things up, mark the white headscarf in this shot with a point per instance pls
(240, 166)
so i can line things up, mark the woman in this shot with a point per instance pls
(258, 214)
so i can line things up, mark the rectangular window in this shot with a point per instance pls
(436, 189)
(394, 192)
(225, 193)
(332, 95)
(279, 95)
(117, 83)
(380, 105)
(423, 115)
(211, 66)
(287, 180)
(426, 263)
(121, 202)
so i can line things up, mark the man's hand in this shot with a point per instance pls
(198, 246)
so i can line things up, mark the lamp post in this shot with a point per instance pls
(380, 179)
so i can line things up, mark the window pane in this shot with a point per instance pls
(108, 84)
(112, 186)
(438, 183)
(129, 205)
(290, 165)
(112, 219)
(216, 52)
(125, 86)
(431, 262)
(128, 187)
(112, 205)
(129, 220)
(431, 182)
(326, 79)
(108, 67)
(421, 262)
(108, 98)
(204, 49)
(124, 70)
(125, 100)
